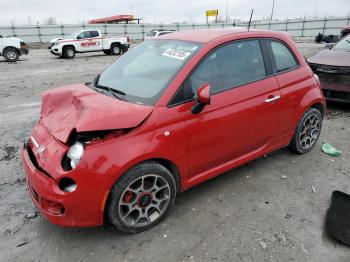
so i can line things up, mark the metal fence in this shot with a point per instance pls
(296, 28)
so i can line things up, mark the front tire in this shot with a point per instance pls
(307, 132)
(141, 198)
(11, 54)
(69, 52)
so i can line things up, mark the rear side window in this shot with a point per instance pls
(94, 34)
(284, 59)
(227, 67)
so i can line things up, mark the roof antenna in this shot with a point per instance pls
(250, 20)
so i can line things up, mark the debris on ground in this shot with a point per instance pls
(23, 242)
(313, 189)
(288, 216)
(330, 150)
(284, 177)
(263, 245)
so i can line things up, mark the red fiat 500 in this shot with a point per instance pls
(169, 114)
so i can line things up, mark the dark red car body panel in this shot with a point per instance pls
(333, 69)
(236, 127)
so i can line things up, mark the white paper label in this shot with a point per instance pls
(176, 53)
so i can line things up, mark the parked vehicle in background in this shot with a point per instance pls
(172, 113)
(158, 32)
(332, 65)
(89, 40)
(345, 31)
(12, 48)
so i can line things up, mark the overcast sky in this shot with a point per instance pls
(73, 11)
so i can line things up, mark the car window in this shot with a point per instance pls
(227, 67)
(343, 45)
(85, 34)
(1, 36)
(94, 34)
(284, 59)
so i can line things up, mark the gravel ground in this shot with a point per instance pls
(247, 214)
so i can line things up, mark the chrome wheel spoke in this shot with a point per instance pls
(310, 131)
(144, 200)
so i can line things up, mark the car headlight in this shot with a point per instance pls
(75, 154)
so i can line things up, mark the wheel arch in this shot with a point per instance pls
(69, 45)
(116, 43)
(9, 47)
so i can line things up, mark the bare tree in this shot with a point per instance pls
(50, 21)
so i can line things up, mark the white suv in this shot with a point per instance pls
(158, 32)
(11, 48)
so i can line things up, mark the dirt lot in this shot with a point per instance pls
(247, 214)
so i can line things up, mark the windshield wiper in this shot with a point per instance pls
(111, 90)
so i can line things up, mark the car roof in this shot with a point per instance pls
(207, 35)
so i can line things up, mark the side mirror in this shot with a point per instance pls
(78, 37)
(203, 98)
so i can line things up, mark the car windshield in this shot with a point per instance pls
(2, 35)
(74, 34)
(343, 45)
(144, 72)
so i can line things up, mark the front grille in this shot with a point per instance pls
(34, 160)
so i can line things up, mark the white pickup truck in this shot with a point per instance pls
(89, 40)
(11, 48)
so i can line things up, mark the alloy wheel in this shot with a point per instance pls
(310, 131)
(144, 200)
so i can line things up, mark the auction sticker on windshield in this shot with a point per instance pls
(176, 53)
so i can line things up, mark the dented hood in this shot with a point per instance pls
(80, 107)
(331, 57)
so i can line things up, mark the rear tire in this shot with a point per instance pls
(11, 54)
(141, 198)
(307, 132)
(68, 52)
(116, 49)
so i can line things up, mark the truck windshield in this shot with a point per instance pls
(343, 45)
(145, 71)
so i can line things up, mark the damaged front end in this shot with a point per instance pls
(335, 81)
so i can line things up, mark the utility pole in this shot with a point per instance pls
(226, 11)
(273, 8)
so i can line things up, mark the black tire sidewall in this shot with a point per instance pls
(149, 167)
(295, 144)
(8, 50)
(112, 47)
(65, 52)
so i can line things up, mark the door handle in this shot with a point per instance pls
(275, 98)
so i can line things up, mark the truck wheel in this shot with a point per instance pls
(115, 49)
(11, 54)
(69, 52)
(141, 198)
(107, 52)
(307, 132)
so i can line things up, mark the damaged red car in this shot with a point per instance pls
(333, 68)
(169, 114)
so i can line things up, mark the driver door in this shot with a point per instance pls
(240, 119)
(89, 41)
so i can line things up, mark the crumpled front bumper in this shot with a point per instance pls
(82, 208)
